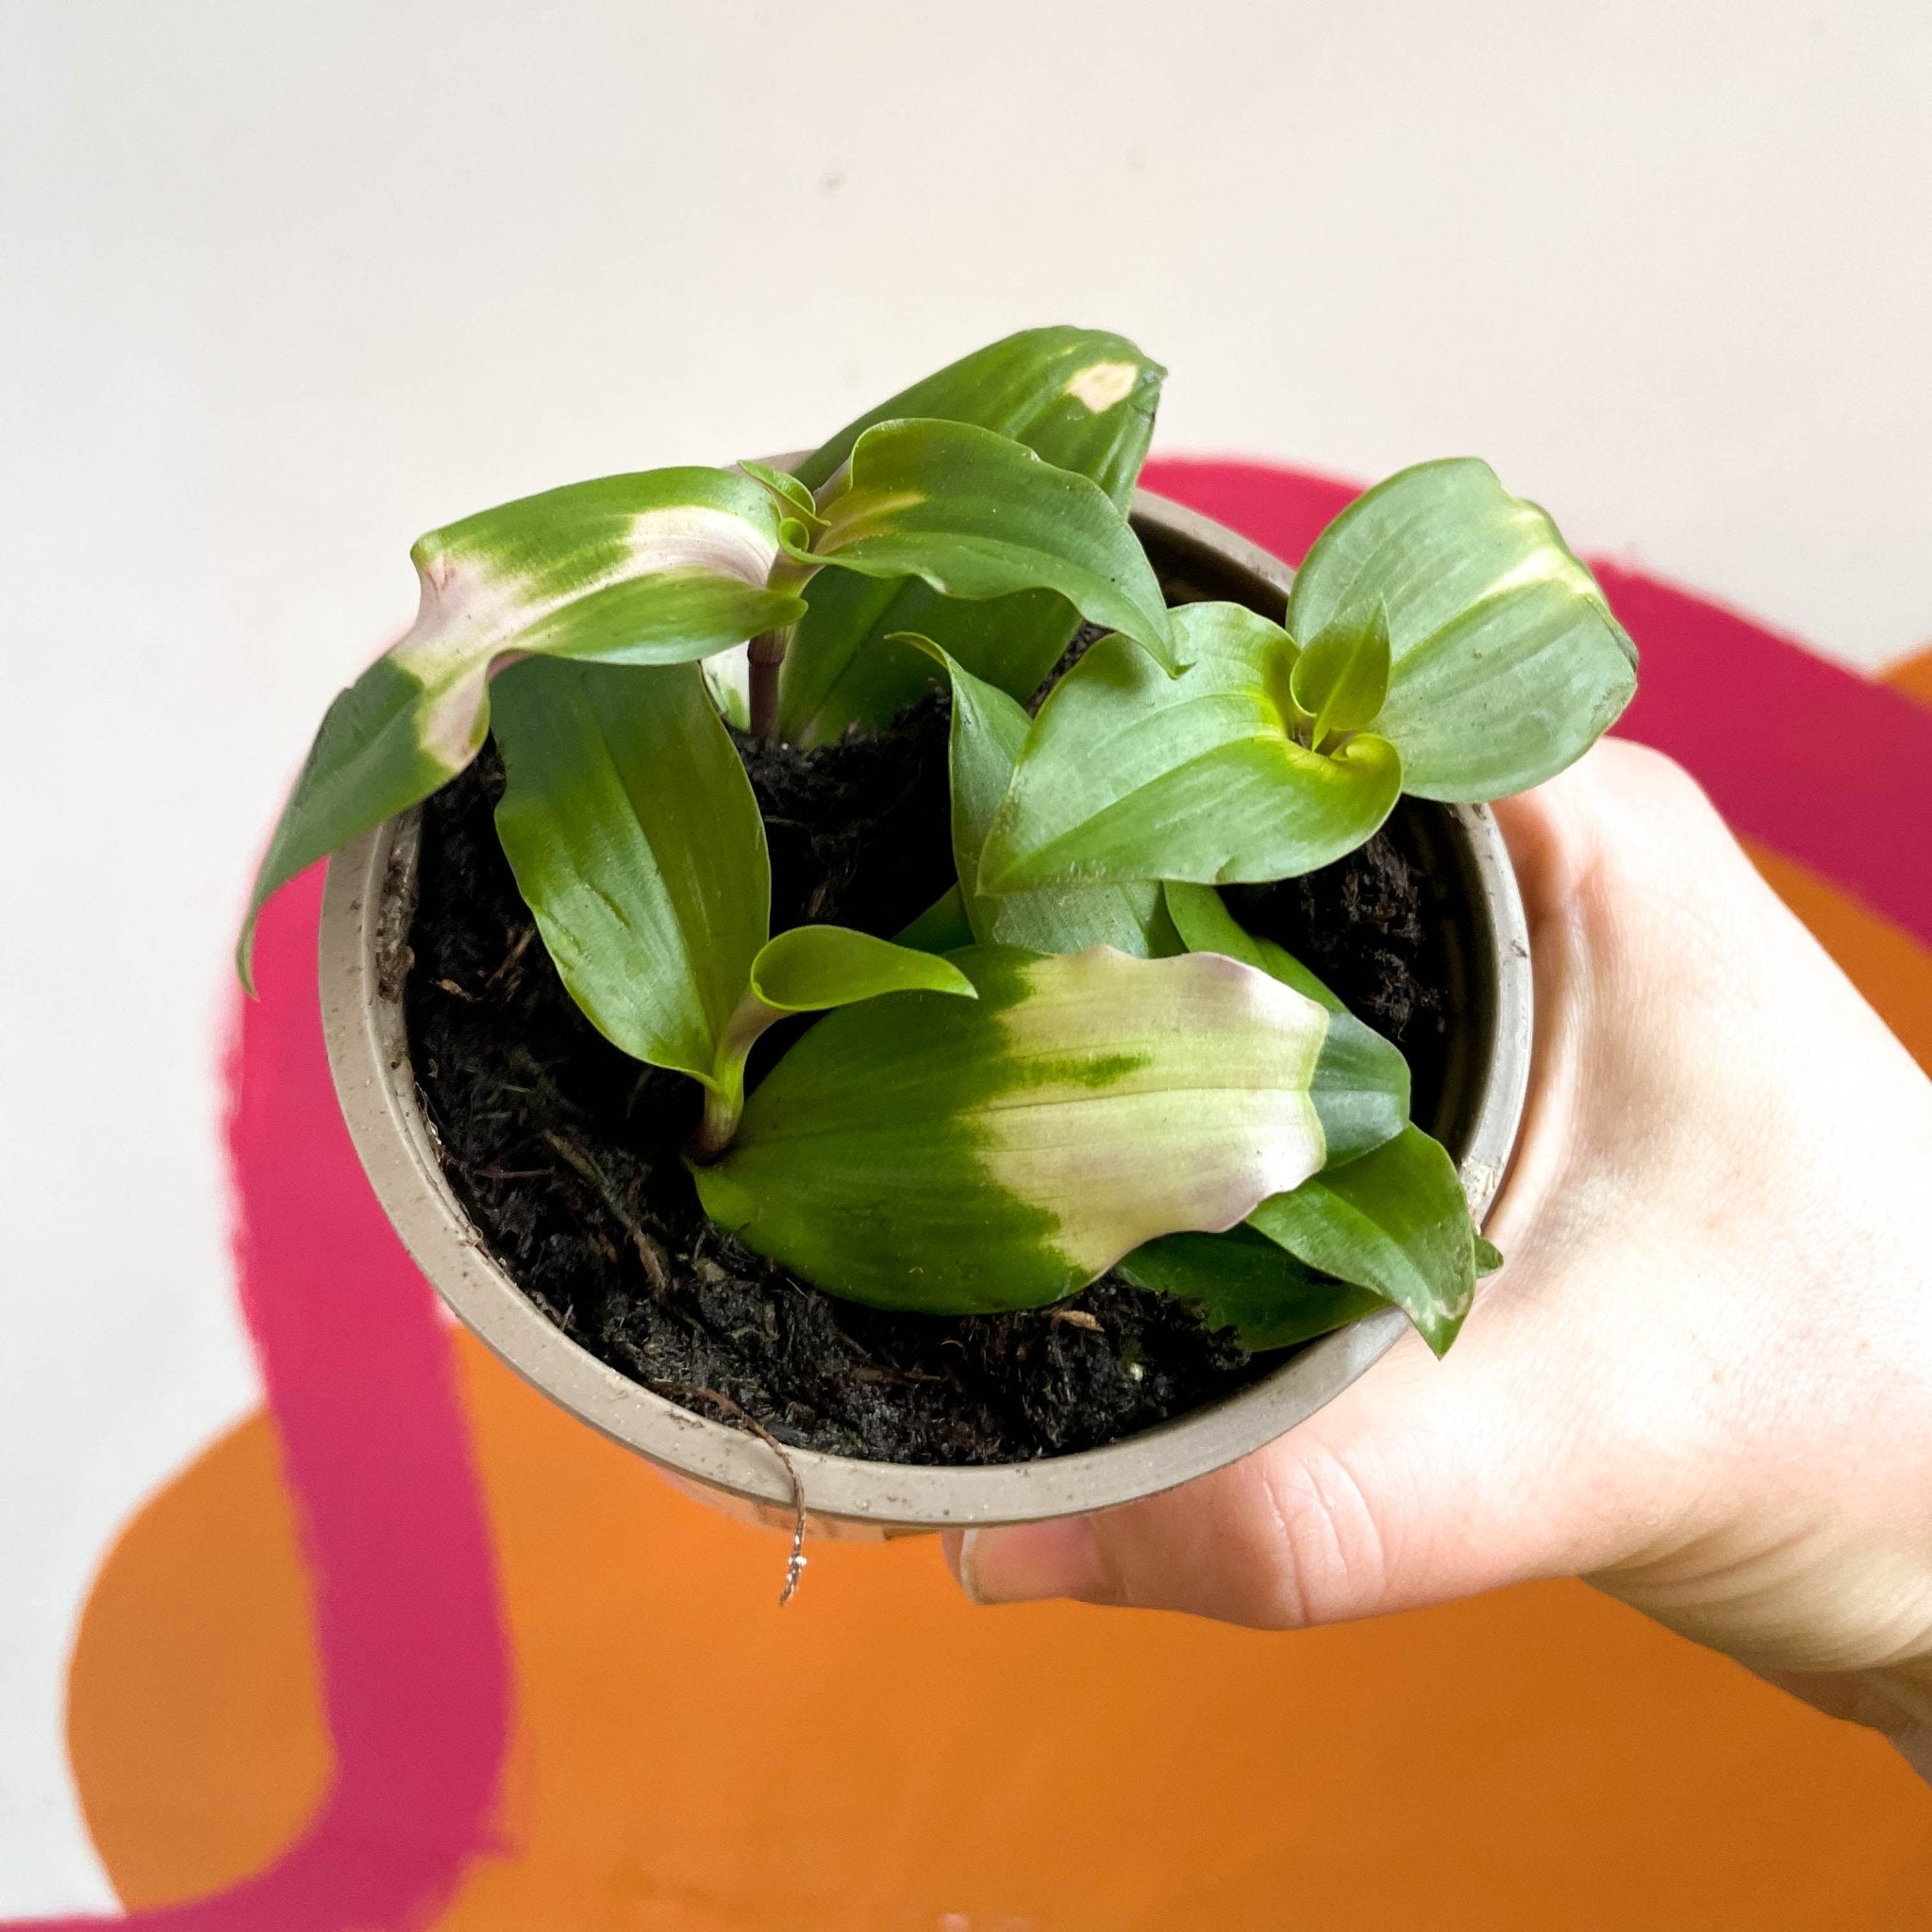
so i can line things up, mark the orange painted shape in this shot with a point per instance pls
(194, 1721)
(1887, 967)
(690, 1758)
(882, 1755)
(1914, 676)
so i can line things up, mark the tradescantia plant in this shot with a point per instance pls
(1077, 1059)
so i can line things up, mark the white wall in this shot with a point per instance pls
(282, 285)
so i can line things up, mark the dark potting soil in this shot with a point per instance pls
(566, 1153)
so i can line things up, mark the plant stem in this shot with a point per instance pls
(723, 1112)
(725, 1090)
(767, 654)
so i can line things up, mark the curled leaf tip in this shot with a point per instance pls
(810, 968)
(245, 958)
(785, 490)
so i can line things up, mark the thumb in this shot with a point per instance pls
(1424, 1482)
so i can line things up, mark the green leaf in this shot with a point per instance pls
(1506, 663)
(655, 568)
(1489, 1257)
(1341, 679)
(942, 927)
(987, 730)
(1084, 400)
(637, 842)
(807, 970)
(812, 967)
(1071, 387)
(1131, 774)
(975, 514)
(956, 1156)
(1361, 1085)
(1245, 1282)
(1395, 1220)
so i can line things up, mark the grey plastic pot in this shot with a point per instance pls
(365, 918)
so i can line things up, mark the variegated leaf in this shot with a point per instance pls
(1060, 386)
(946, 1153)
(1361, 1084)
(658, 568)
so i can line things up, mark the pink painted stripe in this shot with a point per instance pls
(1282, 510)
(359, 1374)
(1823, 766)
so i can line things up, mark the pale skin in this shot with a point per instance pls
(1703, 1381)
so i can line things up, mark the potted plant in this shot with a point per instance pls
(910, 983)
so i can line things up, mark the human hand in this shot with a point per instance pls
(1702, 1378)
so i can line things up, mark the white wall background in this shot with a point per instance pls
(282, 285)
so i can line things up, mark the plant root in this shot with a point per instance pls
(794, 1564)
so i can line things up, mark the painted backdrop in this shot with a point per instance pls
(409, 1649)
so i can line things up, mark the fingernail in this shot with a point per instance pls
(1023, 1562)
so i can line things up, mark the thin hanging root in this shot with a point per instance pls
(794, 1564)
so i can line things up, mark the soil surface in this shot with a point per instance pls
(566, 1153)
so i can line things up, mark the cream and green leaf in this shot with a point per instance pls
(1084, 400)
(1361, 1082)
(637, 843)
(1003, 1152)
(658, 568)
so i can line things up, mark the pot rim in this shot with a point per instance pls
(362, 945)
